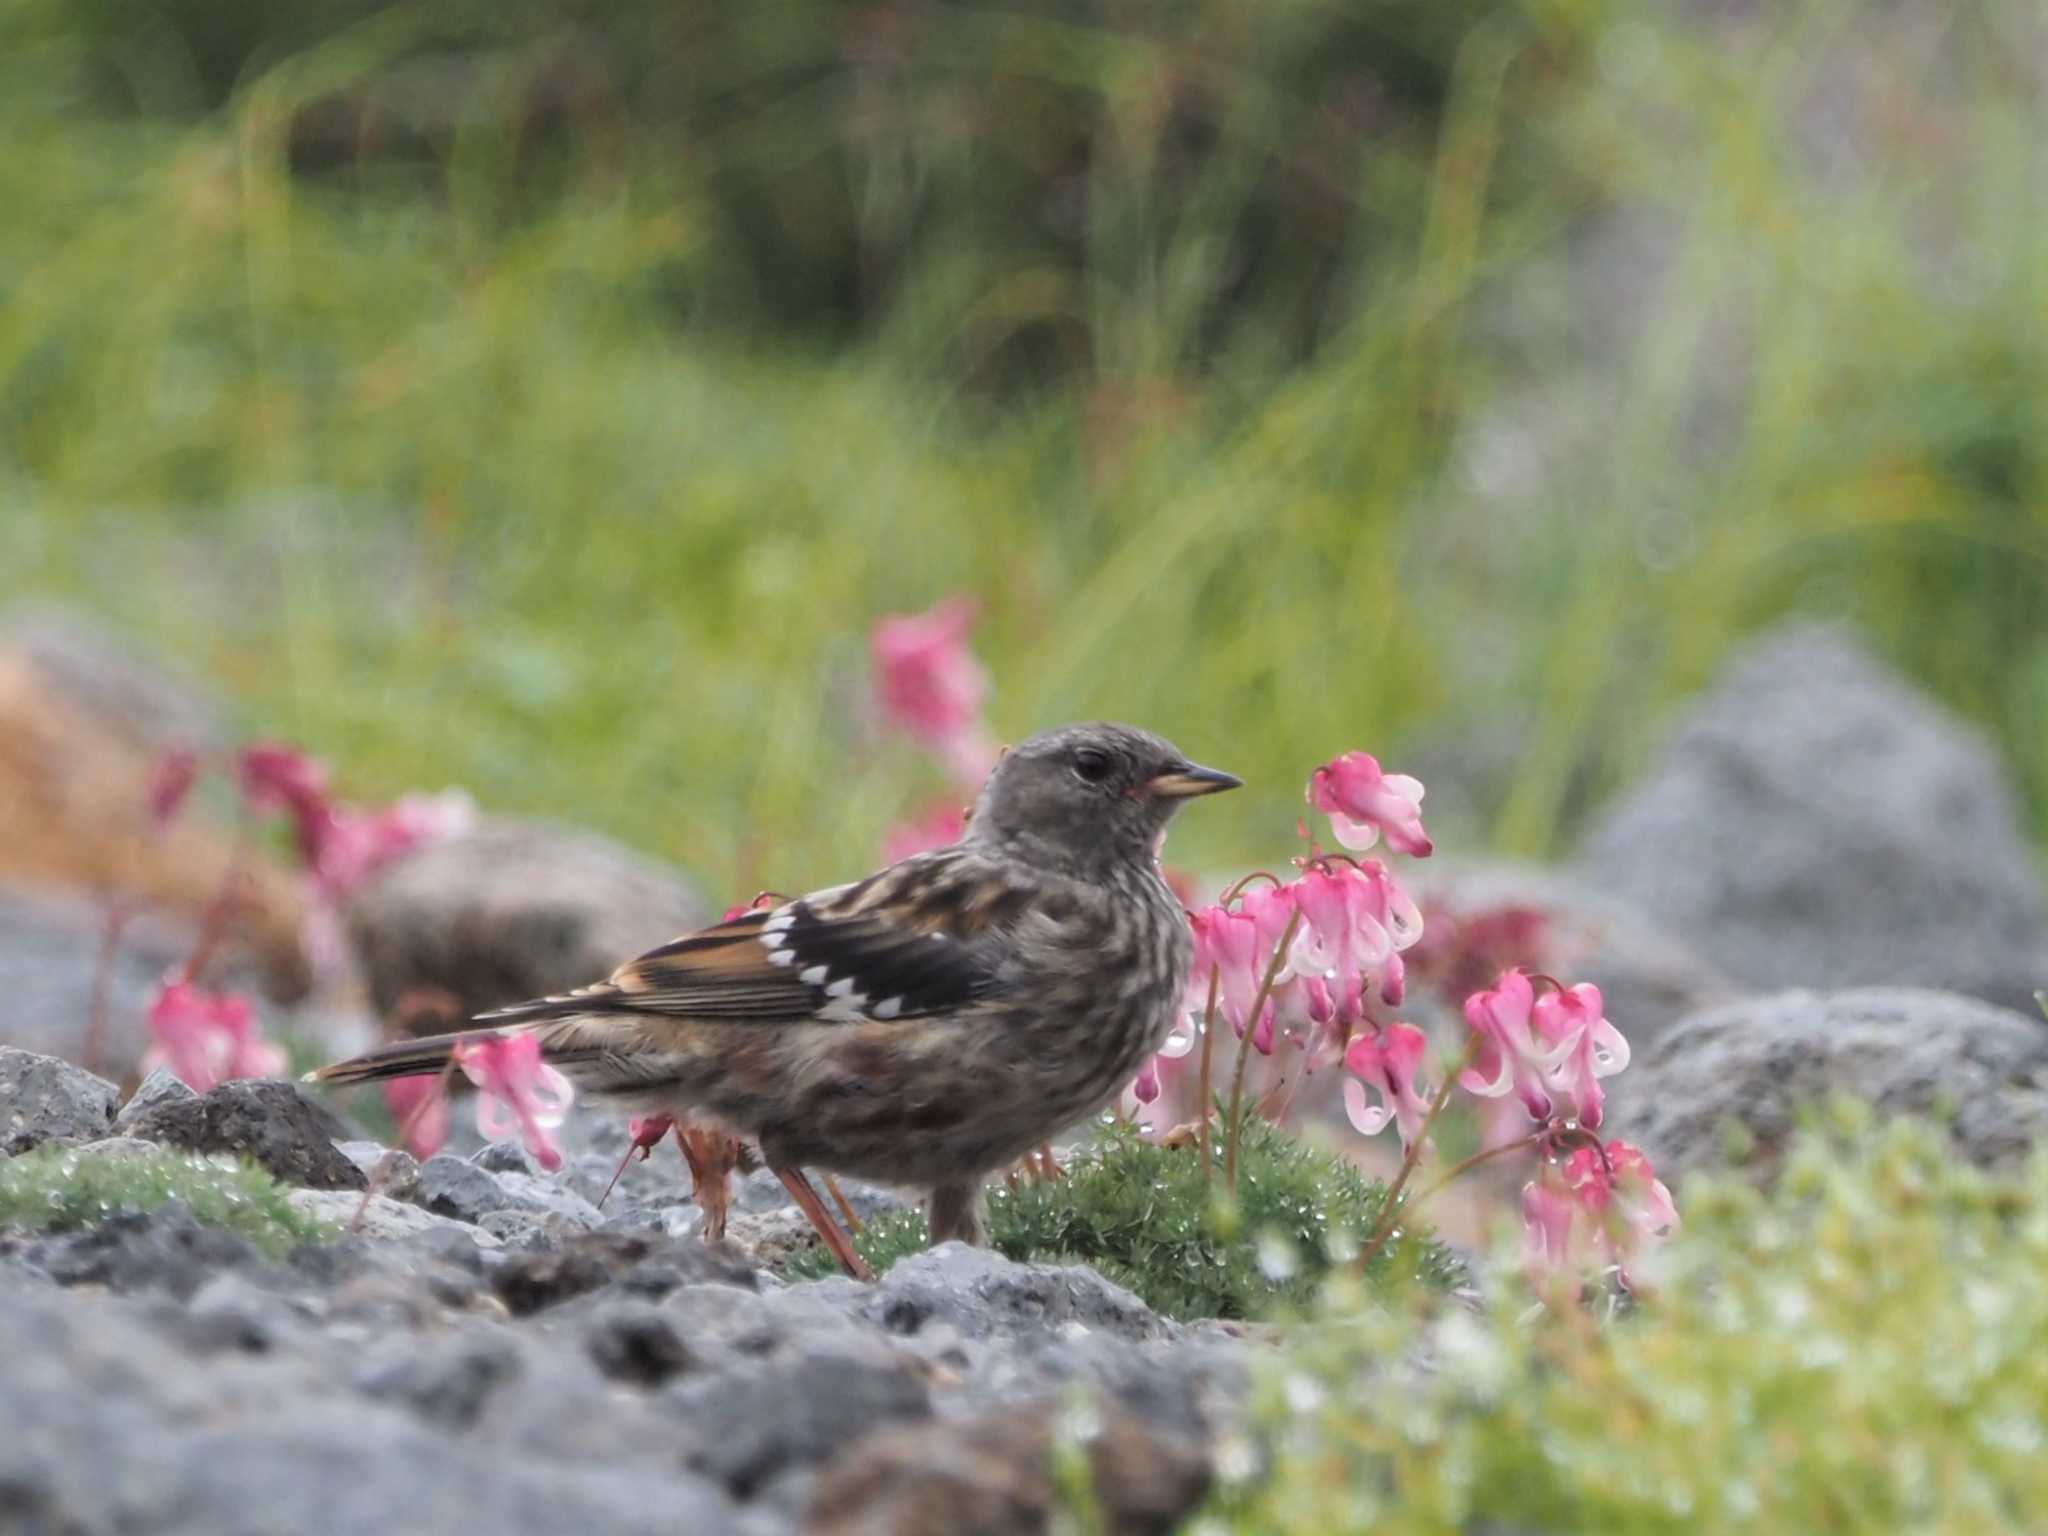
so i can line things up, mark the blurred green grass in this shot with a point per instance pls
(480, 465)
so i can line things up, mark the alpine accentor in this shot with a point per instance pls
(925, 1026)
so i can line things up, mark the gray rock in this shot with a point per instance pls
(455, 1187)
(587, 1261)
(1814, 821)
(43, 1098)
(512, 911)
(749, 1428)
(383, 1218)
(448, 1382)
(161, 1086)
(400, 1170)
(980, 1293)
(271, 1123)
(1742, 1074)
(638, 1344)
(164, 1250)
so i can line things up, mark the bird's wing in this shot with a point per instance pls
(920, 938)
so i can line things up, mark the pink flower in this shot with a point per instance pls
(1356, 922)
(935, 827)
(170, 782)
(1512, 1057)
(1596, 1212)
(1387, 1061)
(520, 1095)
(928, 684)
(1571, 1023)
(206, 1038)
(349, 844)
(276, 777)
(1362, 802)
(648, 1131)
(420, 1107)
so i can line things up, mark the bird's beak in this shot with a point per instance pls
(1190, 779)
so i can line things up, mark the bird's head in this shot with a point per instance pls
(1087, 796)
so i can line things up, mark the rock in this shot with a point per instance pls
(161, 1086)
(453, 1186)
(384, 1217)
(512, 911)
(448, 1383)
(751, 1427)
(993, 1475)
(1816, 822)
(43, 1098)
(271, 1123)
(1750, 1067)
(637, 1344)
(401, 1170)
(1481, 919)
(161, 1250)
(978, 1292)
(586, 1261)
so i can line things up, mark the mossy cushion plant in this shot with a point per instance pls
(1142, 1214)
(1859, 1351)
(62, 1189)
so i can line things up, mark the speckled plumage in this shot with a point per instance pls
(924, 1026)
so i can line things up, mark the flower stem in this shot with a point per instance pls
(113, 920)
(1534, 1139)
(1411, 1159)
(382, 1172)
(1207, 1106)
(1244, 1049)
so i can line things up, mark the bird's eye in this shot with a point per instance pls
(1091, 765)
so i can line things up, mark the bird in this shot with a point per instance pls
(922, 1027)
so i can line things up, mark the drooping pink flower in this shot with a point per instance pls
(1598, 1211)
(1387, 1061)
(1340, 943)
(1511, 1057)
(1362, 802)
(350, 844)
(170, 783)
(934, 827)
(206, 1038)
(520, 1095)
(420, 1107)
(275, 777)
(928, 684)
(1571, 1024)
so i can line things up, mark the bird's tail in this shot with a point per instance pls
(401, 1058)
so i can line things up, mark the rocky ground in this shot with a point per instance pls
(494, 1350)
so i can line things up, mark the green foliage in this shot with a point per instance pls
(1141, 1214)
(60, 1188)
(454, 481)
(1858, 1351)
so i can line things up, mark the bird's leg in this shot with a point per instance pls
(954, 1213)
(853, 1222)
(1048, 1164)
(711, 1155)
(807, 1201)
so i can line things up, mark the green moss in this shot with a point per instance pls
(1857, 1352)
(61, 1189)
(1142, 1215)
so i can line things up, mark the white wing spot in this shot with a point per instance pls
(888, 1009)
(781, 956)
(778, 925)
(815, 976)
(843, 987)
